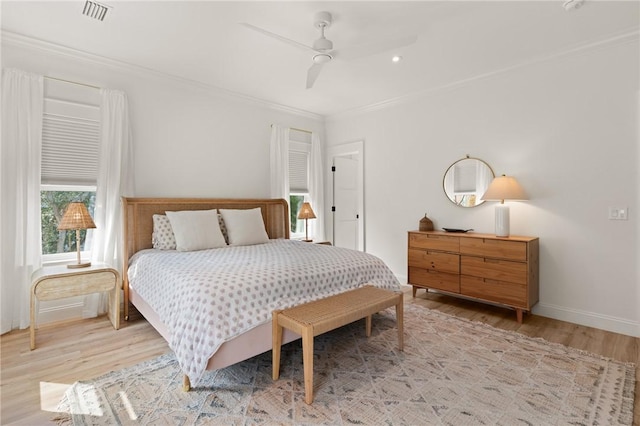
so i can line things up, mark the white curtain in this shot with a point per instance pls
(115, 179)
(279, 162)
(20, 163)
(316, 188)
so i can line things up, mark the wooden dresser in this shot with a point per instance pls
(501, 270)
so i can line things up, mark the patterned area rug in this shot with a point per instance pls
(452, 372)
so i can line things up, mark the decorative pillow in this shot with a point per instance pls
(162, 237)
(223, 228)
(196, 230)
(244, 227)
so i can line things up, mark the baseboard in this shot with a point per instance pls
(576, 316)
(56, 311)
(589, 319)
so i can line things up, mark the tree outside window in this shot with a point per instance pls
(297, 226)
(53, 204)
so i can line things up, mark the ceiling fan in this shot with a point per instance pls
(322, 48)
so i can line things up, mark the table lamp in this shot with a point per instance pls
(76, 217)
(306, 213)
(503, 188)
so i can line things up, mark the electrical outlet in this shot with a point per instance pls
(618, 213)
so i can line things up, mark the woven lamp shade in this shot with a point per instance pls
(306, 212)
(76, 217)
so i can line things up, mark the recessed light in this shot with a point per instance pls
(396, 58)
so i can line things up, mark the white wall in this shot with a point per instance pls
(567, 128)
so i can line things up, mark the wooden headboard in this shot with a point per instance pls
(138, 220)
(138, 216)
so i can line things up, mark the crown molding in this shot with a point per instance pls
(629, 35)
(18, 40)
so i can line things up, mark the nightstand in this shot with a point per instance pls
(59, 282)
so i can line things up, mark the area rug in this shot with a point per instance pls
(452, 372)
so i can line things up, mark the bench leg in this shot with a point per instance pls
(400, 322)
(307, 361)
(276, 342)
(368, 329)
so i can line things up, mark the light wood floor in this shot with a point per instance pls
(33, 381)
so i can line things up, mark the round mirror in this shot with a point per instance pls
(466, 180)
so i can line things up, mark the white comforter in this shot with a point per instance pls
(211, 296)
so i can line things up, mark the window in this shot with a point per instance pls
(299, 154)
(53, 201)
(70, 147)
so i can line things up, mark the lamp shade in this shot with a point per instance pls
(76, 217)
(504, 188)
(306, 212)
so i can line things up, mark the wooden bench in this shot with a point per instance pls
(317, 317)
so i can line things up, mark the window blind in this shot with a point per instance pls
(464, 178)
(70, 143)
(298, 171)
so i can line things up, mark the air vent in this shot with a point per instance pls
(95, 10)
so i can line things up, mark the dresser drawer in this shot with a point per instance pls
(56, 287)
(513, 250)
(501, 270)
(435, 260)
(434, 279)
(434, 241)
(508, 293)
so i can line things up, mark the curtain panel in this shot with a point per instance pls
(316, 188)
(279, 162)
(20, 164)
(115, 180)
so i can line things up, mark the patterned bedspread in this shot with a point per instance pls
(208, 297)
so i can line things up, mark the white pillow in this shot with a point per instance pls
(196, 229)
(244, 227)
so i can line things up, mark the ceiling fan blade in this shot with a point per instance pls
(278, 37)
(313, 74)
(362, 51)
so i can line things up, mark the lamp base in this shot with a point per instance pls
(502, 220)
(78, 265)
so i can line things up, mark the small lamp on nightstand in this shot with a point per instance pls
(306, 213)
(503, 188)
(76, 217)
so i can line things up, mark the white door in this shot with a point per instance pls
(346, 216)
(348, 219)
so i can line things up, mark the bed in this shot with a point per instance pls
(214, 306)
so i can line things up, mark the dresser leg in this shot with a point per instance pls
(519, 315)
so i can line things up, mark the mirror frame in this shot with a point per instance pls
(462, 202)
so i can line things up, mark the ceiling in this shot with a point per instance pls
(203, 41)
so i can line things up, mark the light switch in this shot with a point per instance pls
(618, 213)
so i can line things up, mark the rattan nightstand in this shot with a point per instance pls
(59, 282)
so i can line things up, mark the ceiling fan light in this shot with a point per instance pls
(322, 58)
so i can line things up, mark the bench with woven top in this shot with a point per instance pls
(319, 316)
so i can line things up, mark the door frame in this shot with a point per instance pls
(355, 150)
